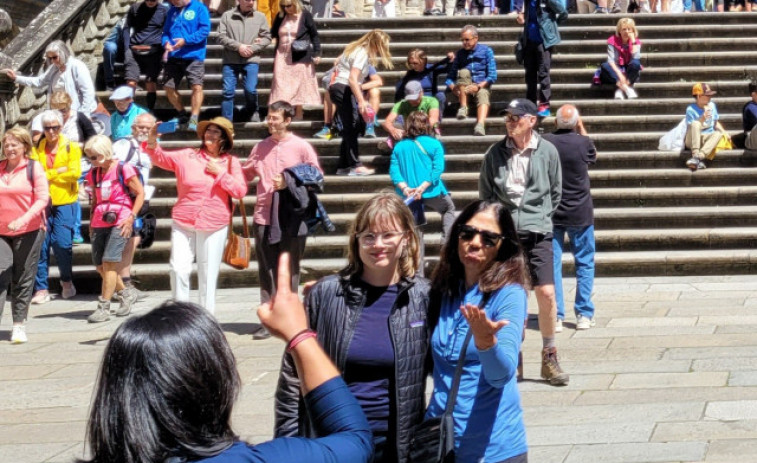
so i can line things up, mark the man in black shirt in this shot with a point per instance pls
(142, 45)
(575, 214)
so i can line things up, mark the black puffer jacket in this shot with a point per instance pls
(334, 306)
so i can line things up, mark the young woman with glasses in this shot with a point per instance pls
(480, 285)
(371, 320)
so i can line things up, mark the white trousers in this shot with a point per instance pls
(207, 246)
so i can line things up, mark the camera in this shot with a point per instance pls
(110, 217)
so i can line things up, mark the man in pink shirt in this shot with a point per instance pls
(268, 160)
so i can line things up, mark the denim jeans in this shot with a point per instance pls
(110, 53)
(60, 233)
(250, 76)
(632, 71)
(581, 241)
(699, 4)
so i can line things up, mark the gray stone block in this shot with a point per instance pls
(638, 452)
(669, 380)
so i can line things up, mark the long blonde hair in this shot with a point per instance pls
(376, 43)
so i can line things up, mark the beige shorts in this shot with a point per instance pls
(483, 96)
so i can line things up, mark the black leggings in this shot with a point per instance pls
(352, 124)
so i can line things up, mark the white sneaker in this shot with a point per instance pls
(584, 323)
(619, 95)
(41, 297)
(631, 93)
(18, 335)
(69, 290)
(558, 326)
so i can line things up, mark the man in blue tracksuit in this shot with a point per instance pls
(185, 38)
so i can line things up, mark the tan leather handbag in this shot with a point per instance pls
(238, 247)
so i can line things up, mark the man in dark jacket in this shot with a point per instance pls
(143, 51)
(575, 214)
(523, 173)
(540, 19)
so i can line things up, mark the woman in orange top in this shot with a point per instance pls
(24, 196)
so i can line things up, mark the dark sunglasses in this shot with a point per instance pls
(52, 128)
(489, 239)
(92, 158)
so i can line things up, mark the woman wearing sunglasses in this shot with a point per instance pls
(118, 197)
(371, 320)
(64, 72)
(480, 285)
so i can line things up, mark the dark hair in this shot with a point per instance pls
(417, 124)
(166, 387)
(225, 142)
(277, 106)
(509, 265)
(753, 86)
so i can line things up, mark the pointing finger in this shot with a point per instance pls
(284, 286)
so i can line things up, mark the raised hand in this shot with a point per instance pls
(284, 315)
(484, 330)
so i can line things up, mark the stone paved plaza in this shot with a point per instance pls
(669, 374)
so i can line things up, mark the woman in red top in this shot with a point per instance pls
(206, 181)
(24, 195)
(118, 197)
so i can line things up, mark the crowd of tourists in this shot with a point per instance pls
(362, 345)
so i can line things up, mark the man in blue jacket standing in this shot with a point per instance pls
(540, 19)
(185, 39)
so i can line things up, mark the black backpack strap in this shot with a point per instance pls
(30, 172)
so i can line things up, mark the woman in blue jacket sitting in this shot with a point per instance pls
(418, 68)
(168, 382)
(481, 262)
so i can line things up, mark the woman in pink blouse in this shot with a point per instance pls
(24, 195)
(207, 179)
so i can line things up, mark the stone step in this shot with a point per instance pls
(333, 246)
(643, 263)
(454, 143)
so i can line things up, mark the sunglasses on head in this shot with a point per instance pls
(489, 239)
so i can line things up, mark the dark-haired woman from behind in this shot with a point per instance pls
(168, 382)
(371, 320)
(481, 281)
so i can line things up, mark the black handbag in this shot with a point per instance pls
(301, 46)
(433, 440)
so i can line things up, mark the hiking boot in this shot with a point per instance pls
(462, 113)
(693, 163)
(550, 368)
(324, 133)
(558, 325)
(479, 130)
(18, 335)
(584, 323)
(101, 313)
(127, 299)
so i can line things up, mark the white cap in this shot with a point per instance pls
(123, 92)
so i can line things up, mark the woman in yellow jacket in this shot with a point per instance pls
(61, 160)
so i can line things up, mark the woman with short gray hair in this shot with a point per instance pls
(64, 72)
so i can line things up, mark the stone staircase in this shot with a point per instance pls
(653, 216)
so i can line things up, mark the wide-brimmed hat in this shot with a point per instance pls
(222, 123)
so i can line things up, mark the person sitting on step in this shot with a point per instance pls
(623, 64)
(418, 68)
(704, 129)
(750, 119)
(471, 75)
(414, 100)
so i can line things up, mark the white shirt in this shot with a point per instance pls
(140, 160)
(517, 168)
(357, 59)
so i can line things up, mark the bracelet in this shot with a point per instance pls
(299, 337)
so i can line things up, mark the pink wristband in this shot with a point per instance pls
(299, 337)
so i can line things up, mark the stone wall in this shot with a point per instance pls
(82, 24)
